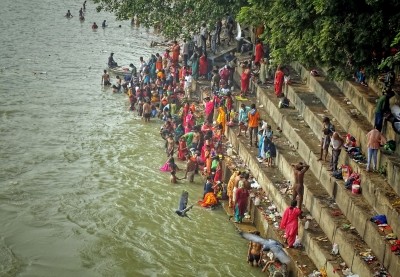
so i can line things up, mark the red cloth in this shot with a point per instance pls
(175, 53)
(290, 224)
(218, 175)
(224, 74)
(203, 65)
(242, 195)
(279, 77)
(245, 81)
(208, 107)
(182, 150)
(259, 52)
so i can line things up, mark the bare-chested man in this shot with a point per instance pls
(105, 78)
(254, 252)
(298, 187)
(170, 145)
(195, 139)
(191, 166)
(146, 111)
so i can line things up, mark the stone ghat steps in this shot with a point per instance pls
(355, 208)
(302, 264)
(357, 125)
(317, 250)
(376, 191)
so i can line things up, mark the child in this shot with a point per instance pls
(172, 178)
(270, 152)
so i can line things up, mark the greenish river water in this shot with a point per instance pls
(81, 193)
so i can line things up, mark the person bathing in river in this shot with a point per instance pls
(103, 25)
(111, 62)
(105, 78)
(254, 252)
(94, 26)
(146, 111)
(191, 166)
(68, 14)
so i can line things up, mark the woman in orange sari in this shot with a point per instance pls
(208, 160)
(176, 49)
(209, 200)
(159, 64)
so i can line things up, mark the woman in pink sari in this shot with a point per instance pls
(278, 83)
(189, 122)
(290, 223)
(208, 109)
(185, 111)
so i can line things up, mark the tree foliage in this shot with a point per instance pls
(174, 17)
(340, 35)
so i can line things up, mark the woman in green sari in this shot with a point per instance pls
(195, 65)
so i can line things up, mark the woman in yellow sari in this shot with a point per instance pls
(221, 119)
(230, 186)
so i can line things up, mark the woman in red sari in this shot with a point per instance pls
(203, 65)
(182, 149)
(259, 52)
(290, 223)
(218, 173)
(242, 195)
(245, 81)
(278, 83)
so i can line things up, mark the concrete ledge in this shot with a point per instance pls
(266, 177)
(353, 207)
(333, 98)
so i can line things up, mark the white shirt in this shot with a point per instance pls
(188, 81)
(185, 48)
(335, 143)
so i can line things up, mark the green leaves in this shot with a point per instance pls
(176, 17)
(341, 35)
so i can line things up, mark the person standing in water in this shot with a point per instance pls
(146, 111)
(105, 78)
(103, 25)
(68, 14)
(84, 5)
(254, 252)
(94, 26)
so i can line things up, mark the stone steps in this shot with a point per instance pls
(357, 125)
(356, 210)
(317, 251)
(302, 265)
(376, 191)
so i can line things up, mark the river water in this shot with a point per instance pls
(80, 189)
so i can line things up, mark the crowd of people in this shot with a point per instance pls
(193, 130)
